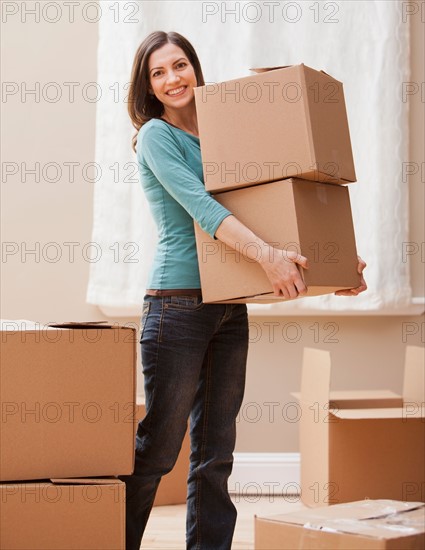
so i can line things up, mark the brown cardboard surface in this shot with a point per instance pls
(285, 122)
(299, 215)
(363, 399)
(376, 458)
(354, 453)
(48, 515)
(173, 486)
(67, 395)
(367, 524)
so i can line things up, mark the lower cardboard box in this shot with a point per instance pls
(173, 486)
(361, 525)
(306, 217)
(60, 514)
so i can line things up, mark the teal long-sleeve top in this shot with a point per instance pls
(170, 168)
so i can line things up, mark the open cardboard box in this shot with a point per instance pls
(357, 445)
(307, 217)
(60, 514)
(68, 396)
(281, 122)
(173, 486)
(366, 524)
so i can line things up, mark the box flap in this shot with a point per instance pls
(379, 413)
(414, 378)
(316, 375)
(364, 399)
(86, 481)
(363, 394)
(360, 399)
(82, 324)
(259, 70)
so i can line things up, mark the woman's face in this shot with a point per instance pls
(171, 76)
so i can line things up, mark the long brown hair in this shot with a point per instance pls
(143, 106)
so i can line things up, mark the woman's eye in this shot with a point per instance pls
(156, 73)
(182, 64)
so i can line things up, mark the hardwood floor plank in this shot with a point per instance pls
(167, 524)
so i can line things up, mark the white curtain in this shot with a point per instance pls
(363, 44)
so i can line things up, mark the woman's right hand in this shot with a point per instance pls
(282, 271)
(280, 265)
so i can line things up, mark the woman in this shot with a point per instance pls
(193, 354)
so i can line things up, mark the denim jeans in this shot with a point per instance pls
(194, 361)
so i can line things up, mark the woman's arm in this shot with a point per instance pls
(279, 265)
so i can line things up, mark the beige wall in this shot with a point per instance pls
(367, 351)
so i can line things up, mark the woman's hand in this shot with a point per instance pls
(281, 270)
(279, 265)
(361, 288)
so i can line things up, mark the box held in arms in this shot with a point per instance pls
(278, 123)
(307, 217)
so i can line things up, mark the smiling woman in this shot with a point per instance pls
(172, 79)
(163, 63)
(193, 354)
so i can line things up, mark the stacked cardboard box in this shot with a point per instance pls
(68, 399)
(276, 152)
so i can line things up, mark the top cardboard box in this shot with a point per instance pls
(281, 122)
(68, 398)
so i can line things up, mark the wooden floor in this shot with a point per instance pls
(166, 526)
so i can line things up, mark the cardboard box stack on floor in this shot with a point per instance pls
(67, 430)
(276, 152)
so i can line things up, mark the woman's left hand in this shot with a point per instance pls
(361, 288)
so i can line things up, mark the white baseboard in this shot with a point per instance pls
(260, 474)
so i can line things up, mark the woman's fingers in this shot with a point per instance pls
(353, 291)
(361, 288)
(281, 291)
(296, 258)
(362, 264)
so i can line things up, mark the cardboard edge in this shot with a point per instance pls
(86, 481)
(306, 104)
(414, 375)
(382, 413)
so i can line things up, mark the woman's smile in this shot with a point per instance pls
(177, 91)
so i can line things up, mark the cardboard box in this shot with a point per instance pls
(281, 122)
(63, 514)
(367, 524)
(173, 486)
(350, 453)
(307, 217)
(67, 399)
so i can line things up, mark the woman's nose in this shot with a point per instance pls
(172, 76)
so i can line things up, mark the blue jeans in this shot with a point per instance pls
(194, 361)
